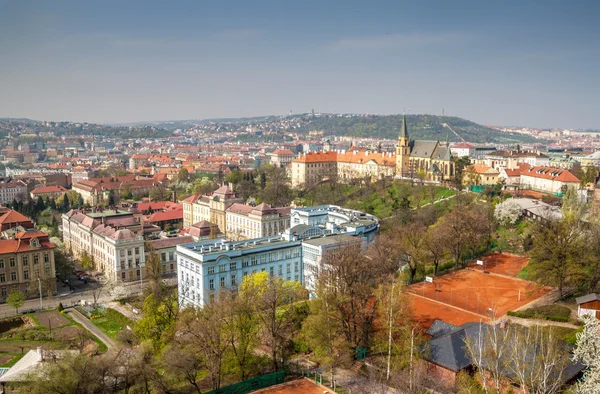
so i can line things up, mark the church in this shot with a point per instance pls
(413, 159)
(420, 158)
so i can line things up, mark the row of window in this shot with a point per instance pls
(25, 260)
(14, 276)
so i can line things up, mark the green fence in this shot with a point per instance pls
(249, 385)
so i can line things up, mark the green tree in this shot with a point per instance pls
(557, 252)
(15, 299)
(183, 175)
(86, 261)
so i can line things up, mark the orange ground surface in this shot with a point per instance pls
(526, 193)
(300, 386)
(466, 296)
(502, 263)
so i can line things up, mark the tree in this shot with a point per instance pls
(413, 246)
(507, 212)
(557, 251)
(184, 361)
(153, 269)
(159, 315)
(183, 175)
(63, 265)
(15, 299)
(277, 312)
(86, 261)
(436, 245)
(588, 353)
(160, 193)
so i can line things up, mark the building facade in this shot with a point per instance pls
(210, 208)
(10, 191)
(206, 267)
(412, 158)
(246, 221)
(25, 257)
(281, 158)
(113, 239)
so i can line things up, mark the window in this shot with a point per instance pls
(280, 270)
(244, 263)
(288, 268)
(296, 278)
(253, 260)
(222, 281)
(13, 276)
(122, 275)
(25, 260)
(137, 261)
(233, 280)
(25, 274)
(2, 264)
(296, 266)
(36, 259)
(211, 284)
(171, 266)
(47, 270)
(11, 261)
(222, 268)
(46, 258)
(211, 270)
(137, 273)
(271, 270)
(128, 252)
(171, 256)
(4, 292)
(137, 250)
(245, 274)
(263, 258)
(163, 256)
(232, 266)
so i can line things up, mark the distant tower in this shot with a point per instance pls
(443, 112)
(313, 113)
(93, 142)
(403, 151)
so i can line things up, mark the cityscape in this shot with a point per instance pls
(372, 240)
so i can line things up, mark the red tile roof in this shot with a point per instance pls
(550, 173)
(48, 189)
(282, 152)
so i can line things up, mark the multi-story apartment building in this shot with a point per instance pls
(10, 191)
(10, 219)
(96, 190)
(112, 238)
(246, 221)
(210, 208)
(25, 257)
(209, 266)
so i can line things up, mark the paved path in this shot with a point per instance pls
(79, 318)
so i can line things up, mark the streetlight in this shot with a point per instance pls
(40, 286)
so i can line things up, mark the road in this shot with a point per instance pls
(79, 318)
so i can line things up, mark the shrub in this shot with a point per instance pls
(60, 307)
(557, 313)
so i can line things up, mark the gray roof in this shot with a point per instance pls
(340, 239)
(442, 153)
(587, 298)
(403, 131)
(448, 350)
(423, 149)
(440, 327)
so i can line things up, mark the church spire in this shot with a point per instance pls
(403, 132)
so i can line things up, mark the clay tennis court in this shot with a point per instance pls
(502, 263)
(304, 386)
(470, 295)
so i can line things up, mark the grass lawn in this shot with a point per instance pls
(112, 322)
(13, 360)
(524, 274)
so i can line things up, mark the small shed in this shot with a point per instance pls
(588, 305)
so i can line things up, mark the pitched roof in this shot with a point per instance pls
(587, 298)
(462, 145)
(48, 189)
(242, 209)
(282, 152)
(423, 149)
(481, 169)
(550, 173)
(170, 242)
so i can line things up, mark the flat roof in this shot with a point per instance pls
(332, 239)
(219, 246)
(107, 213)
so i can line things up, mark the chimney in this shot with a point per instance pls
(40, 353)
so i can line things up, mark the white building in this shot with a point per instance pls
(548, 179)
(10, 191)
(208, 266)
(245, 221)
(112, 238)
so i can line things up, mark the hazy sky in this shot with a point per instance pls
(532, 63)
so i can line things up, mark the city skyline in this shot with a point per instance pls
(524, 64)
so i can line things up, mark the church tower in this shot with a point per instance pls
(403, 151)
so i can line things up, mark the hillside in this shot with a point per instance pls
(427, 127)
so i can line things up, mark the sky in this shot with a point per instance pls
(524, 63)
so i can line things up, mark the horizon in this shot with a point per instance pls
(514, 63)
